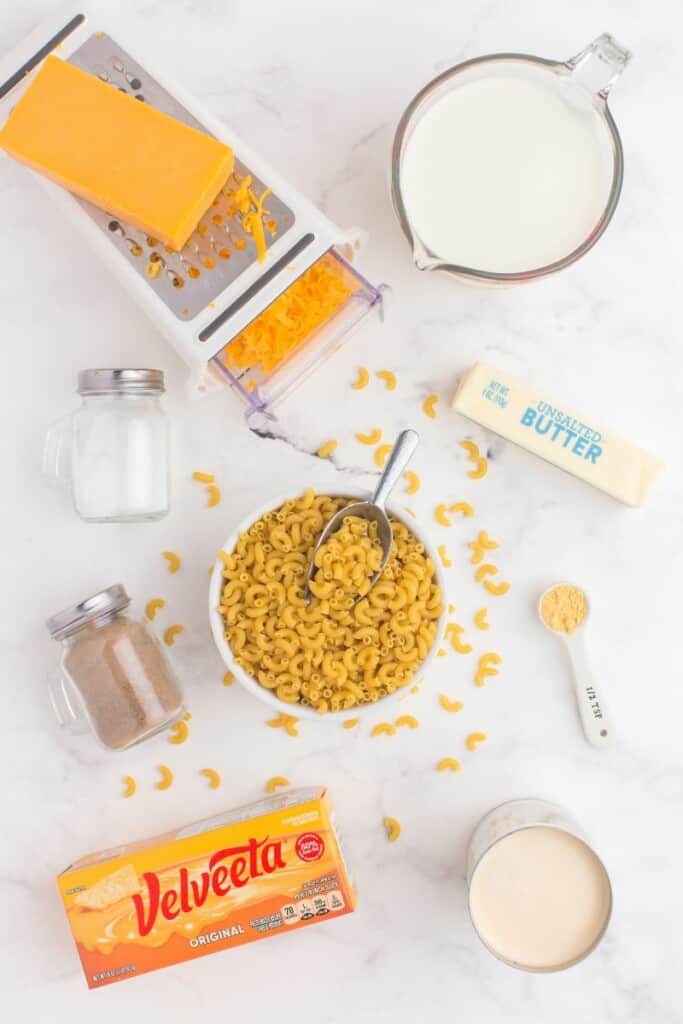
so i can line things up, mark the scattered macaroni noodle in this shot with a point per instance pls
(480, 464)
(351, 723)
(485, 570)
(480, 546)
(480, 619)
(448, 764)
(393, 829)
(389, 379)
(290, 724)
(471, 448)
(413, 482)
(171, 633)
(441, 653)
(474, 739)
(172, 559)
(130, 785)
(409, 720)
(383, 729)
(179, 732)
(187, 716)
(428, 406)
(484, 669)
(374, 437)
(480, 470)
(445, 560)
(203, 478)
(362, 381)
(214, 493)
(212, 775)
(454, 630)
(166, 777)
(497, 589)
(153, 606)
(277, 781)
(451, 609)
(327, 449)
(382, 454)
(277, 723)
(449, 705)
(228, 678)
(336, 652)
(462, 506)
(441, 517)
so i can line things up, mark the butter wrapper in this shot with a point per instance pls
(558, 433)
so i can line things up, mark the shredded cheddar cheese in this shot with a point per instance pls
(308, 302)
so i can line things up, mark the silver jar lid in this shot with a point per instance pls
(106, 602)
(118, 382)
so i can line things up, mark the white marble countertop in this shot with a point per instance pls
(318, 87)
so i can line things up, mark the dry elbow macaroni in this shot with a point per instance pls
(326, 449)
(173, 560)
(171, 633)
(129, 785)
(153, 606)
(179, 732)
(336, 652)
(382, 454)
(362, 381)
(374, 437)
(393, 829)
(413, 482)
(212, 775)
(214, 493)
(166, 779)
(428, 406)
(389, 379)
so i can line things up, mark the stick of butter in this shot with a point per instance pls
(557, 433)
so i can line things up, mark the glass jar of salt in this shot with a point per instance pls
(113, 451)
(113, 677)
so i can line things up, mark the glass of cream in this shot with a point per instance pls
(509, 167)
(540, 898)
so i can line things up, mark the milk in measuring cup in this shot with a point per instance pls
(504, 174)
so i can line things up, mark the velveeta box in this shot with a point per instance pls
(268, 868)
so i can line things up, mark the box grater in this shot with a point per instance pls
(206, 295)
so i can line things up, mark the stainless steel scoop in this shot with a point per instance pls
(374, 510)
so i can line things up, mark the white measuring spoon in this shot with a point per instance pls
(597, 724)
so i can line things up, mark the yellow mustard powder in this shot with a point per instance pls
(564, 608)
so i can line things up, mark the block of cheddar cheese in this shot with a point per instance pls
(142, 166)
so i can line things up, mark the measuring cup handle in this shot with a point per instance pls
(596, 721)
(401, 454)
(57, 451)
(600, 64)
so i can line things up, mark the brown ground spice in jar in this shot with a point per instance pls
(126, 687)
(124, 679)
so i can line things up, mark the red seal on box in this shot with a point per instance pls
(309, 846)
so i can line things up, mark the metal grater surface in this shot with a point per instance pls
(218, 250)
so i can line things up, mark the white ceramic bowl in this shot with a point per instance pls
(251, 684)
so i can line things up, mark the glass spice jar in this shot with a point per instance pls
(113, 452)
(113, 677)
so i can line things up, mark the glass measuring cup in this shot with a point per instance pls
(579, 88)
